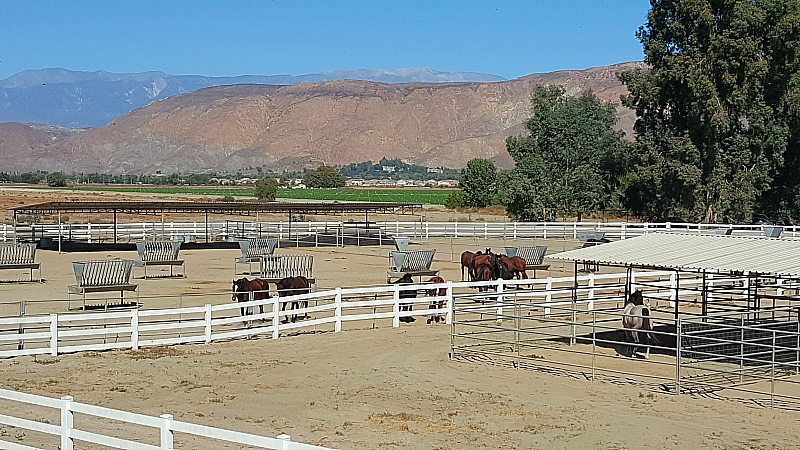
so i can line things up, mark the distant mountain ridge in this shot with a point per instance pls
(249, 127)
(79, 99)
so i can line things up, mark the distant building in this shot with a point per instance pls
(389, 169)
(435, 170)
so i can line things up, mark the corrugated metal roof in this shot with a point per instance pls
(696, 252)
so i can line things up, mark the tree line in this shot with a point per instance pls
(717, 136)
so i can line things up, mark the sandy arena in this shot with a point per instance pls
(364, 388)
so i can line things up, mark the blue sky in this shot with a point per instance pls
(270, 37)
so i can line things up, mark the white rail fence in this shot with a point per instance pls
(221, 231)
(54, 334)
(163, 426)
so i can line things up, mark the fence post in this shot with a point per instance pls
(673, 288)
(678, 357)
(208, 323)
(772, 375)
(396, 306)
(134, 329)
(548, 288)
(450, 303)
(166, 432)
(285, 439)
(590, 306)
(500, 300)
(624, 228)
(54, 334)
(66, 423)
(276, 316)
(338, 310)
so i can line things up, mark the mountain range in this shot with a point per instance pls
(77, 99)
(244, 127)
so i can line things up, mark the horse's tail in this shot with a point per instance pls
(647, 324)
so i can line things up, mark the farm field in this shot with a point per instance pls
(431, 196)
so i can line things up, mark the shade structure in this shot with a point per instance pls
(696, 253)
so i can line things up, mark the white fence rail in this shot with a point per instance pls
(132, 329)
(164, 425)
(221, 231)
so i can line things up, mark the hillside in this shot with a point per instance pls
(72, 98)
(241, 127)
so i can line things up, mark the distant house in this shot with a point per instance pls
(388, 169)
(435, 170)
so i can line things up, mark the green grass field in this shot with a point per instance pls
(432, 196)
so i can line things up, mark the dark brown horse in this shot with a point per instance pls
(439, 303)
(406, 279)
(516, 265)
(293, 286)
(483, 272)
(241, 292)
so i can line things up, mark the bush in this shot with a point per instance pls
(455, 200)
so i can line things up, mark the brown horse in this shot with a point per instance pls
(467, 261)
(483, 272)
(241, 292)
(406, 279)
(515, 264)
(293, 286)
(436, 304)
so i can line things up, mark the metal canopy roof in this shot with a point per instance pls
(696, 252)
(218, 207)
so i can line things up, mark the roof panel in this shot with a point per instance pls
(696, 252)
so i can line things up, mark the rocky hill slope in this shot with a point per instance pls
(241, 127)
(72, 98)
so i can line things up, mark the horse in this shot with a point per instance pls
(436, 304)
(516, 265)
(485, 258)
(483, 272)
(468, 261)
(500, 269)
(293, 286)
(636, 316)
(406, 279)
(241, 289)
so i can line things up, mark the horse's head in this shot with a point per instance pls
(437, 292)
(636, 298)
(238, 290)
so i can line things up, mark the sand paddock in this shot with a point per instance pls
(365, 388)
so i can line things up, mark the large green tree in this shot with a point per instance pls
(718, 124)
(478, 183)
(569, 160)
(324, 177)
(266, 188)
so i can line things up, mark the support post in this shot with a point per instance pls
(285, 440)
(450, 303)
(135, 329)
(208, 324)
(167, 438)
(396, 306)
(338, 310)
(54, 334)
(66, 423)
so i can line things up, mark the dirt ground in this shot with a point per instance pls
(361, 388)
